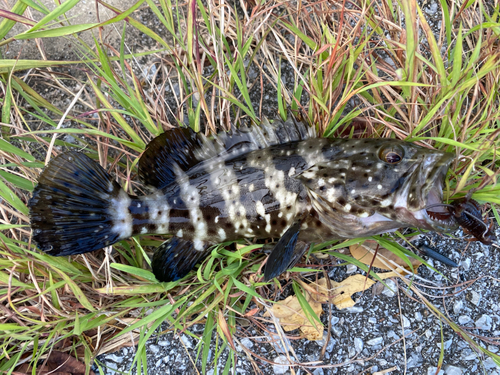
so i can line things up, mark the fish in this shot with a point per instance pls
(277, 179)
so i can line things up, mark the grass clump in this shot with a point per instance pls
(367, 69)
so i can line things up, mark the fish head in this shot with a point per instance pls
(379, 185)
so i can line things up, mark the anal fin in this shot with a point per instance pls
(174, 258)
(286, 253)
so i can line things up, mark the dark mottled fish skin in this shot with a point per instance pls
(270, 181)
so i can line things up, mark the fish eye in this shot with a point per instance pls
(392, 154)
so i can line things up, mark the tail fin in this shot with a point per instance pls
(69, 207)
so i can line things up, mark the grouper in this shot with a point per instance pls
(273, 180)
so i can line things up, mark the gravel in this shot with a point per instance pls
(386, 330)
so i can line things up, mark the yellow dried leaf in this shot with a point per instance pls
(340, 294)
(291, 316)
(365, 252)
(290, 313)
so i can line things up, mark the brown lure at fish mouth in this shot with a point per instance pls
(467, 213)
(275, 180)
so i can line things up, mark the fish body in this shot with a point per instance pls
(277, 180)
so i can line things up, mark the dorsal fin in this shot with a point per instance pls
(245, 139)
(174, 147)
(185, 148)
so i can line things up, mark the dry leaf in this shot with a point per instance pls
(290, 313)
(364, 253)
(340, 294)
(58, 363)
(291, 316)
(225, 329)
(343, 291)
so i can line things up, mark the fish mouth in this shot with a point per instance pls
(436, 215)
(422, 200)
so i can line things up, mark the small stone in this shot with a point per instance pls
(433, 371)
(475, 298)
(390, 289)
(331, 342)
(372, 320)
(334, 320)
(355, 309)
(490, 364)
(465, 264)
(337, 331)
(352, 352)
(154, 349)
(484, 323)
(464, 319)
(468, 355)
(164, 343)
(375, 341)
(358, 344)
(446, 344)
(351, 268)
(318, 371)
(281, 365)
(493, 348)
(114, 358)
(414, 361)
(457, 306)
(406, 322)
(247, 343)
(187, 341)
(277, 342)
(111, 367)
(453, 370)
(418, 316)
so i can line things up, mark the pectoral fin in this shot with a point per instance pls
(286, 253)
(174, 258)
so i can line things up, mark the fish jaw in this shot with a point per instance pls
(411, 203)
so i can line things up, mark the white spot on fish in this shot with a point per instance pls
(191, 197)
(216, 219)
(370, 179)
(222, 234)
(198, 244)
(251, 188)
(353, 191)
(291, 172)
(138, 205)
(144, 230)
(347, 207)
(122, 219)
(179, 233)
(379, 187)
(386, 202)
